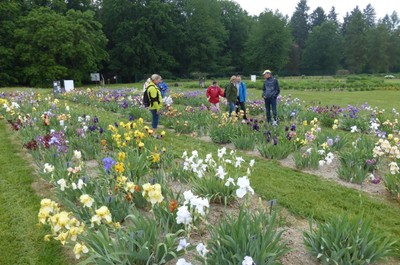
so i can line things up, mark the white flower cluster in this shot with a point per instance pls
(383, 147)
(200, 166)
(192, 205)
(328, 158)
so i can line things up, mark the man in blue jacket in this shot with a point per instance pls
(241, 99)
(271, 91)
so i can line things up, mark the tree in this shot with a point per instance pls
(9, 13)
(206, 37)
(332, 16)
(322, 53)
(378, 45)
(144, 38)
(370, 16)
(317, 17)
(65, 46)
(355, 49)
(299, 23)
(269, 43)
(237, 22)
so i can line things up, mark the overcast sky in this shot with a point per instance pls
(287, 7)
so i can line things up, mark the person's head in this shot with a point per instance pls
(233, 79)
(239, 78)
(267, 74)
(156, 78)
(214, 83)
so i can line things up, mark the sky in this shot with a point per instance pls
(287, 7)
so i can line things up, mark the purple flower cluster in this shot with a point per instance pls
(54, 139)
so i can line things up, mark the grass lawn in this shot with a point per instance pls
(21, 237)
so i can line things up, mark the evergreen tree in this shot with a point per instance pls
(332, 16)
(317, 17)
(355, 49)
(378, 45)
(370, 16)
(299, 23)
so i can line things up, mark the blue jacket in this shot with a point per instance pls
(242, 92)
(163, 88)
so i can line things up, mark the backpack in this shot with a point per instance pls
(148, 100)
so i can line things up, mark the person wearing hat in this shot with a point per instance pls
(271, 91)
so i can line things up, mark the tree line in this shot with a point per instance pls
(45, 40)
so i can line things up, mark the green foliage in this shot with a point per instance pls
(222, 133)
(66, 46)
(307, 159)
(251, 233)
(353, 162)
(269, 42)
(322, 53)
(392, 184)
(139, 243)
(345, 240)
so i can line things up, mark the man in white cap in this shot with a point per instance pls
(271, 91)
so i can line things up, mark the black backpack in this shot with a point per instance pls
(148, 100)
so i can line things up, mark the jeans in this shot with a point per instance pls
(156, 117)
(231, 107)
(270, 102)
(242, 106)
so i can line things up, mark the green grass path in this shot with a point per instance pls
(21, 239)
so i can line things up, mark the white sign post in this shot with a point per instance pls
(68, 85)
(253, 78)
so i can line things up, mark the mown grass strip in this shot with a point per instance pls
(21, 238)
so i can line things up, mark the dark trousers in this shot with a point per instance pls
(242, 107)
(270, 103)
(156, 117)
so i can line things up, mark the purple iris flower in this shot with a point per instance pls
(131, 118)
(95, 119)
(108, 162)
(275, 140)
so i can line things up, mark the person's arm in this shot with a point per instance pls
(277, 88)
(244, 91)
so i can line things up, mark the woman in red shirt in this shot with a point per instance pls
(213, 93)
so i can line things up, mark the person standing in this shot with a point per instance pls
(163, 88)
(241, 99)
(271, 91)
(155, 101)
(231, 93)
(213, 93)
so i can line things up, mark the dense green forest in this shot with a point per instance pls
(45, 40)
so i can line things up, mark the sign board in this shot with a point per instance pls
(95, 77)
(57, 89)
(68, 85)
(253, 78)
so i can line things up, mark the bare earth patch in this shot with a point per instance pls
(329, 172)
